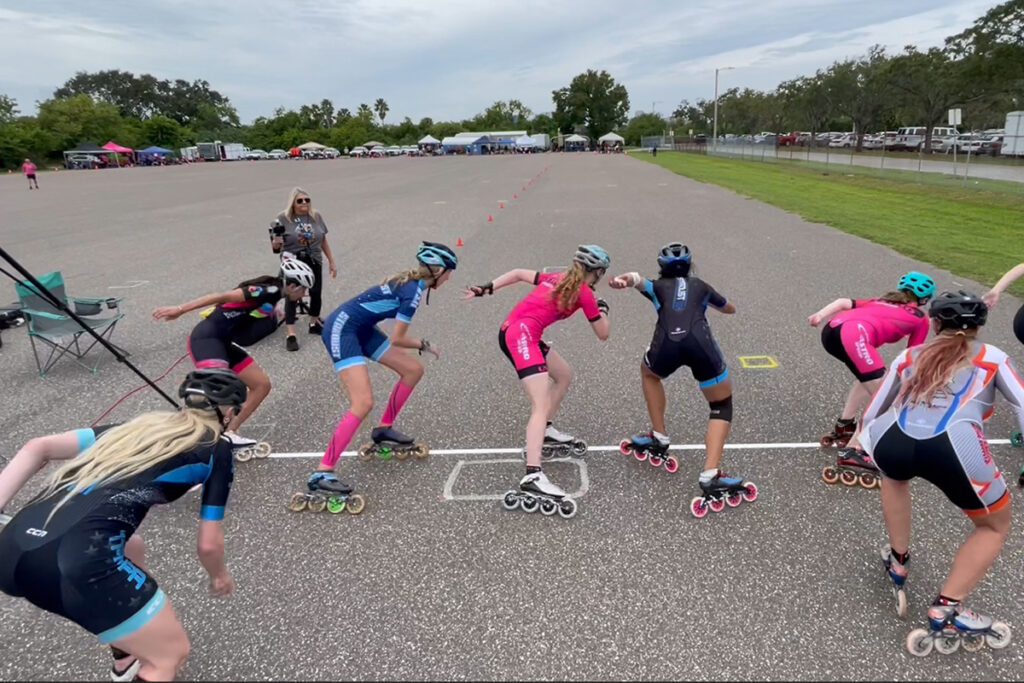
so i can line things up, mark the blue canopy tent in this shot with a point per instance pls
(152, 154)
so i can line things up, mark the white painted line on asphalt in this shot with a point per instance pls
(453, 477)
(132, 284)
(605, 449)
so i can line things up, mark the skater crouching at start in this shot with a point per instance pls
(543, 373)
(74, 550)
(856, 329)
(351, 336)
(682, 336)
(243, 316)
(926, 421)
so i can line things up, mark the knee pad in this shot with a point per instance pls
(721, 410)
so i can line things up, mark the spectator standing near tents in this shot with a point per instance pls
(30, 172)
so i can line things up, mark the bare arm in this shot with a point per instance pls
(210, 547)
(601, 327)
(830, 310)
(503, 280)
(992, 297)
(33, 457)
(729, 308)
(330, 257)
(172, 312)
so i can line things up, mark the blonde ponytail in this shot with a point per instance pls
(567, 291)
(420, 272)
(935, 366)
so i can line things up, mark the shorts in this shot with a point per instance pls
(849, 343)
(30, 176)
(697, 351)
(350, 346)
(957, 461)
(88, 582)
(211, 352)
(527, 353)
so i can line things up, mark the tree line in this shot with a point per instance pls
(980, 70)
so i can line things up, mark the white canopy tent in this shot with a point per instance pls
(429, 140)
(575, 138)
(526, 141)
(612, 138)
(312, 145)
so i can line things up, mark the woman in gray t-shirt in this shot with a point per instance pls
(305, 236)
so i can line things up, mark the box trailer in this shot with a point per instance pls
(543, 140)
(1013, 135)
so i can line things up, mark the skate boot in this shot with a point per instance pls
(852, 466)
(388, 442)
(840, 434)
(247, 449)
(898, 573)
(558, 444)
(722, 490)
(536, 492)
(327, 491)
(650, 448)
(949, 626)
(1017, 439)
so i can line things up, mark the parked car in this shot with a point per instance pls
(846, 140)
(277, 154)
(256, 154)
(912, 137)
(359, 151)
(700, 139)
(873, 141)
(331, 153)
(377, 153)
(991, 145)
(764, 138)
(787, 139)
(393, 151)
(77, 161)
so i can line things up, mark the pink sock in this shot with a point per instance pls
(343, 434)
(399, 395)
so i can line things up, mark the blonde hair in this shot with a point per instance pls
(936, 363)
(420, 272)
(289, 212)
(900, 296)
(128, 449)
(567, 291)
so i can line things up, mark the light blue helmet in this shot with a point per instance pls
(437, 254)
(919, 284)
(591, 257)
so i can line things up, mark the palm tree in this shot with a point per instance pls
(364, 112)
(381, 107)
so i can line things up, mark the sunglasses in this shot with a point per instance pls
(302, 200)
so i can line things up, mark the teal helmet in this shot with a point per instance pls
(437, 254)
(591, 257)
(918, 284)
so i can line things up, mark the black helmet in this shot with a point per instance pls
(674, 260)
(960, 310)
(211, 388)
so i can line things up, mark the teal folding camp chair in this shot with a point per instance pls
(50, 328)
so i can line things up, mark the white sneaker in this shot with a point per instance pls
(239, 441)
(128, 674)
(552, 434)
(538, 482)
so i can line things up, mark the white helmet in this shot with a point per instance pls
(294, 270)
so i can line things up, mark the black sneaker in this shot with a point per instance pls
(292, 344)
(316, 328)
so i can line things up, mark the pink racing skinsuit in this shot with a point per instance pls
(854, 336)
(520, 335)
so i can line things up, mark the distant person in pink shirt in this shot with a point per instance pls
(543, 373)
(30, 172)
(856, 329)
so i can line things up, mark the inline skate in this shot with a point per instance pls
(327, 492)
(1017, 439)
(852, 466)
(650, 448)
(536, 492)
(898, 573)
(949, 626)
(840, 435)
(559, 445)
(247, 449)
(721, 491)
(388, 442)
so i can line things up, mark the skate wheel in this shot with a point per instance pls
(750, 492)
(901, 602)
(947, 645)
(671, 464)
(421, 451)
(579, 448)
(1020, 479)
(698, 507)
(335, 504)
(973, 643)
(529, 504)
(243, 454)
(366, 452)
(355, 504)
(510, 501)
(317, 505)
(624, 447)
(716, 505)
(655, 461)
(848, 478)
(826, 442)
(1000, 635)
(1017, 439)
(567, 508)
(868, 480)
(262, 450)
(297, 502)
(640, 455)
(400, 453)
(919, 643)
(548, 507)
(830, 475)
(733, 499)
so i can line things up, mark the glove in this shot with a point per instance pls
(602, 306)
(480, 290)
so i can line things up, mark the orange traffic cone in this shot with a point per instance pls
(490, 218)
(459, 243)
(501, 205)
(515, 196)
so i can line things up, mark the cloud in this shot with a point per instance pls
(449, 59)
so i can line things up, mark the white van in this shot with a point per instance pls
(912, 137)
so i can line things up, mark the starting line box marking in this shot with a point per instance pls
(758, 362)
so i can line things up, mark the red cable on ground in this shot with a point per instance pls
(141, 386)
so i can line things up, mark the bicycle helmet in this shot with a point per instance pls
(297, 272)
(591, 257)
(211, 388)
(674, 258)
(958, 310)
(437, 254)
(919, 284)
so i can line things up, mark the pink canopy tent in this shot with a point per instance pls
(118, 149)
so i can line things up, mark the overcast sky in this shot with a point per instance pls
(449, 59)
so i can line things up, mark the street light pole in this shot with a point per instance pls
(714, 119)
